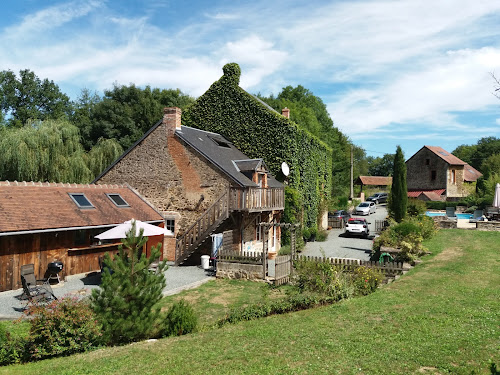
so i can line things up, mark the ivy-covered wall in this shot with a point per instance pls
(260, 132)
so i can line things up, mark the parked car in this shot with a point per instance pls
(339, 214)
(365, 208)
(357, 226)
(378, 198)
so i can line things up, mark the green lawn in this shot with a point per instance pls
(442, 317)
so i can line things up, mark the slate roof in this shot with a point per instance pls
(37, 207)
(224, 155)
(374, 180)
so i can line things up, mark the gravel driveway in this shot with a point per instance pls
(338, 245)
(178, 279)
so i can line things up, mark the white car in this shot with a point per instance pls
(357, 226)
(365, 208)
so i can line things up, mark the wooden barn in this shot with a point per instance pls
(42, 223)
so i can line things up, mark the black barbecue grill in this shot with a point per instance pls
(54, 268)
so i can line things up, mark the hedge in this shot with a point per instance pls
(260, 132)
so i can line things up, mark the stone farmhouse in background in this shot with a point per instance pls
(203, 185)
(433, 174)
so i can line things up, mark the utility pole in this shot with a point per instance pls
(352, 174)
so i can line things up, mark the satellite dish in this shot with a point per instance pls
(285, 169)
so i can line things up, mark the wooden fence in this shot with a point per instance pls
(244, 257)
(336, 223)
(284, 266)
(283, 269)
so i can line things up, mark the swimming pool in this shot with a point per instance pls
(459, 216)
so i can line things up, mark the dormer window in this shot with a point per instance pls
(81, 200)
(221, 142)
(118, 200)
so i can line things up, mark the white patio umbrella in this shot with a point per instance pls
(120, 231)
(496, 199)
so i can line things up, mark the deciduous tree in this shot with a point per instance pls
(29, 97)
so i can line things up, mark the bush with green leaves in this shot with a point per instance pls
(180, 320)
(127, 302)
(12, 350)
(291, 303)
(63, 327)
(366, 280)
(321, 236)
(407, 236)
(416, 207)
(323, 278)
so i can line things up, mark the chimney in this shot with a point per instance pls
(172, 119)
(285, 112)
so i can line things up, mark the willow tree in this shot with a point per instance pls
(399, 197)
(50, 151)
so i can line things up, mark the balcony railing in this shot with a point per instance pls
(256, 199)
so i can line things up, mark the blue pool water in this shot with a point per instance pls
(459, 216)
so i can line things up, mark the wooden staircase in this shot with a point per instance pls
(201, 229)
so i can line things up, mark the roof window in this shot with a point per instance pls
(221, 142)
(81, 200)
(118, 200)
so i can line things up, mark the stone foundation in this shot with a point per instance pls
(232, 270)
(488, 226)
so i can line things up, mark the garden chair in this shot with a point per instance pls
(28, 271)
(450, 213)
(41, 293)
(478, 214)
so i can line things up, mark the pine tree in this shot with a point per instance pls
(399, 196)
(127, 302)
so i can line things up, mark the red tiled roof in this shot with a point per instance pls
(374, 180)
(471, 174)
(445, 155)
(28, 206)
(429, 193)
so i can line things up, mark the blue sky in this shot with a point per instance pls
(403, 72)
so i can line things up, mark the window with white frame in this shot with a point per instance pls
(170, 225)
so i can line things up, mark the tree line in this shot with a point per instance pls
(48, 137)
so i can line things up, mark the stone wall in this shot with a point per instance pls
(488, 226)
(239, 271)
(170, 175)
(418, 173)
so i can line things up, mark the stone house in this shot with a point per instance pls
(203, 185)
(45, 222)
(435, 174)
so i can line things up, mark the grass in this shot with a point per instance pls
(442, 317)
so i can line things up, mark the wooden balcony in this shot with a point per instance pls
(256, 199)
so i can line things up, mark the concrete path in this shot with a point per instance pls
(178, 279)
(338, 245)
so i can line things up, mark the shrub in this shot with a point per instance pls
(63, 327)
(416, 207)
(127, 302)
(180, 320)
(321, 236)
(12, 350)
(306, 233)
(291, 303)
(366, 280)
(323, 278)
(285, 250)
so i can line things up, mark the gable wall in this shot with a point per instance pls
(418, 174)
(171, 175)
